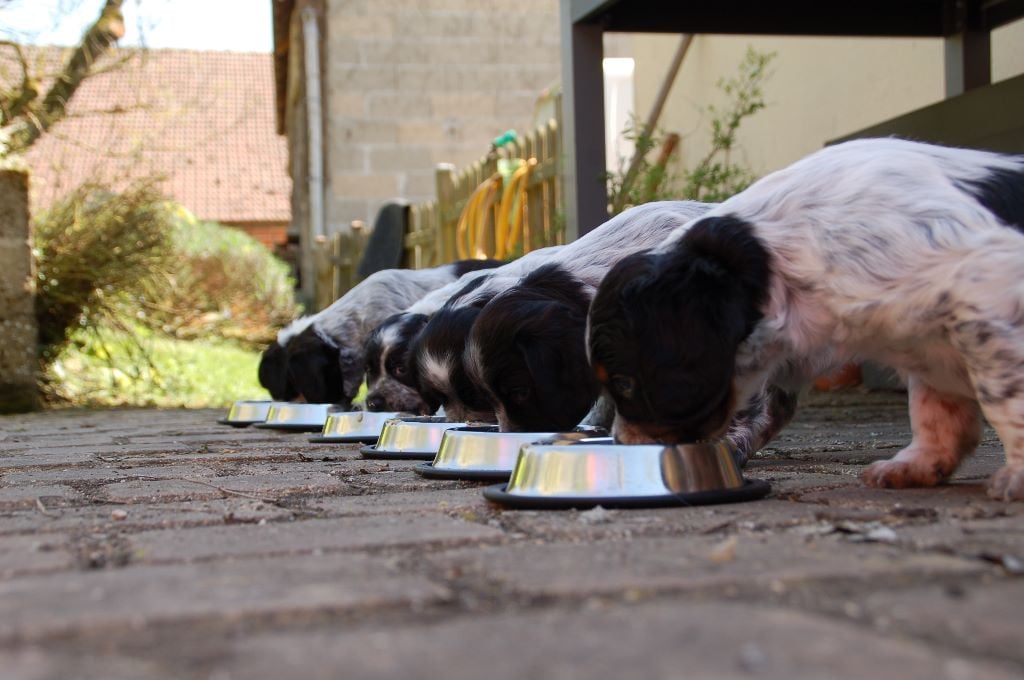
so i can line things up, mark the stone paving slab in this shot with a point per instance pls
(158, 544)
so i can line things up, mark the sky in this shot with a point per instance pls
(233, 25)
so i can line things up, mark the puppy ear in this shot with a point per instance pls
(273, 373)
(729, 243)
(352, 366)
(308, 369)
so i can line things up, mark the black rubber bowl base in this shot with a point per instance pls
(430, 472)
(752, 490)
(372, 453)
(298, 427)
(238, 423)
(320, 439)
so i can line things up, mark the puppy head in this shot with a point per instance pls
(387, 363)
(437, 366)
(527, 350)
(322, 372)
(273, 373)
(664, 330)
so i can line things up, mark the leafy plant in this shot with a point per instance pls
(92, 249)
(716, 176)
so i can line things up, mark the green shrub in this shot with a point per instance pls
(222, 282)
(93, 249)
(714, 177)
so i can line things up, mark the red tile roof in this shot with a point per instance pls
(202, 120)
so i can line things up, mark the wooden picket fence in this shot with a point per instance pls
(433, 234)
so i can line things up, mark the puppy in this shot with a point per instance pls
(435, 367)
(320, 358)
(526, 350)
(905, 253)
(389, 345)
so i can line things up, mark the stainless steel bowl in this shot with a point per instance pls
(410, 438)
(353, 426)
(245, 413)
(483, 453)
(588, 473)
(297, 417)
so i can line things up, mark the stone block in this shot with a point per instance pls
(18, 329)
(399, 105)
(401, 159)
(366, 186)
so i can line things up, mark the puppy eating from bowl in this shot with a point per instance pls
(320, 358)
(908, 254)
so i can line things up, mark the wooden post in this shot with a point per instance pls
(444, 177)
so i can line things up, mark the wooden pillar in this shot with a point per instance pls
(968, 60)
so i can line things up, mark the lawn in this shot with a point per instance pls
(108, 367)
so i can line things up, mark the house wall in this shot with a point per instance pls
(412, 83)
(821, 89)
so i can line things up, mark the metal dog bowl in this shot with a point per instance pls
(587, 473)
(483, 453)
(246, 413)
(346, 427)
(296, 417)
(410, 438)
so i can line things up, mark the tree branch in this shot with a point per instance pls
(109, 28)
(16, 102)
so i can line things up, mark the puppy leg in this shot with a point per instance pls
(946, 428)
(764, 416)
(1001, 394)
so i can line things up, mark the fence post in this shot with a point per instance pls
(19, 334)
(445, 179)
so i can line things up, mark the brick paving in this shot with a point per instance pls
(157, 544)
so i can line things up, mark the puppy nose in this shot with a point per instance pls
(374, 404)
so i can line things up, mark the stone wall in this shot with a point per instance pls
(18, 332)
(412, 83)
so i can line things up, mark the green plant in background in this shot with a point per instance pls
(716, 176)
(139, 303)
(92, 249)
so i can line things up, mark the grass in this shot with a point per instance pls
(101, 366)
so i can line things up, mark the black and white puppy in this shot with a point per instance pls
(435, 365)
(321, 358)
(527, 351)
(389, 345)
(908, 254)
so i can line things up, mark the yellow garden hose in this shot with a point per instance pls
(471, 231)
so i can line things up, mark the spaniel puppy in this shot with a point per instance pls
(388, 347)
(321, 359)
(435, 366)
(526, 350)
(905, 253)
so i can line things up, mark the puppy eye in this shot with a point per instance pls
(623, 385)
(519, 395)
(398, 370)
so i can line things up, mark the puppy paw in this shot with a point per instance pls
(899, 474)
(1007, 484)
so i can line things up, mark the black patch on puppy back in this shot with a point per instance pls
(665, 328)
(273, 373)
(461, 267)
(1002, 193)
(314, 369)
(530, 339)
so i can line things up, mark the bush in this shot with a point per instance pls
(92, 249)
(222, 282)
(125, 277)
(716, 176)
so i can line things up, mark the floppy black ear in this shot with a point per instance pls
(314, 369)
(726, 248)
(273, 373)
(352, 366)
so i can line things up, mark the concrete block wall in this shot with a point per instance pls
(412, 83)
(18, 331)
